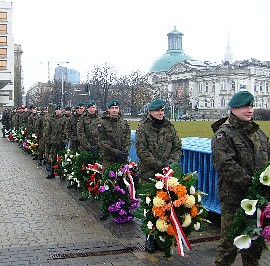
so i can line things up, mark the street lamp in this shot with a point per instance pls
(62, 86)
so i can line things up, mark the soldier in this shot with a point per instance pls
(157, 146)
(31, 125)
(87, 128)
(5, 121)
(71, 126)
(239, 148)
(68, 111)
(55, 133)
(114, 138)
(39, 129)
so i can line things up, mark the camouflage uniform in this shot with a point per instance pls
(239, 148)
(39, 128)
(71, 130)
(87, 131)
(156, 144)
(31, 123)
(114, 139)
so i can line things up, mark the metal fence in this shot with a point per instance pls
(196, 157)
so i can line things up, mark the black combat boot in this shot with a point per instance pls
(40, 163)
(150, 244)
(51, 171)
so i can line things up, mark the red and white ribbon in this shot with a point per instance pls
(260, 218)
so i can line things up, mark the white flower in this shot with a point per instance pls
(147, 200)
(249, 206)
(157, 201)
(71, 156)
(197, 226)
(242, 242)
(150, 225)
(192, 190)
(119, 173)
(265, 176)
(145, 212)
(161, 239)
(159, 185)
(173, 181)
(161, 225)
(199, 197)
(106, 187)
(190, 201)
(187, 221)
(68, 160)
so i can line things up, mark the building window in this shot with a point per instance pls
(205, 103)
(3, 40)
(206, 87)
(261, 87)
(255, 86)
(3, 28)
(212, 103)
(222, 103)
(3, 64)
(3, 52)
(200, 87)
(3, 15)
(213, 86)
(223, 85)
(266, 87)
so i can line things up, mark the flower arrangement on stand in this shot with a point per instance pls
(117, 191)
(82, 172)
(68, 161)
(57, 167)
(252, 219)
(92, 184)
(12, 135)
(30, 144)
(171, 208)
(21, 136)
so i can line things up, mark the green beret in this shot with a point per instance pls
(90, 103)
(57, 107)
(156, 105)
(112, 103)
(240, 99)
(79, 104)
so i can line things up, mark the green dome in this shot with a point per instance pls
(166, 61)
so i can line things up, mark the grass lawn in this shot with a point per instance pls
(201, 129)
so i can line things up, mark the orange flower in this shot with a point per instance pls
(163, 195)
(158, 211)
(180, 201)
(193, 211)
(170, 230)
(180, 190)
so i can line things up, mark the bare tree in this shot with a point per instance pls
(102, 81)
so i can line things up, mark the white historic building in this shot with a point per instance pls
(205, 88)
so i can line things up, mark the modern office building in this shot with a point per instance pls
(6, 56)
(68, 75)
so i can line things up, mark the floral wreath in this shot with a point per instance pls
(117, 191)
(252, 220)
(171, 208)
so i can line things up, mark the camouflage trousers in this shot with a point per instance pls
(227, 251)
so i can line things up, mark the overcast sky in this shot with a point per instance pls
(131, 34)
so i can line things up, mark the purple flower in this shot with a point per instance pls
(266, 233)
(267, 211)
(112, 174)
(101, 189)
(122, 212)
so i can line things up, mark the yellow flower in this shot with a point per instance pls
(161, 225)
(172, 182)
(158, 202)
(187, 220)
(190, 201)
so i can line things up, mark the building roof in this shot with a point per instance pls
(166, 61)
(173, 55)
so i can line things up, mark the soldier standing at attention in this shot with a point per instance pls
(157, 146)
(87, 128)
(239, 148)
(55, 133)
(71, 126)
(114, 138)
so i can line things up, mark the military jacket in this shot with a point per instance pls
(30, 123)
(155, 146)
(54, 131)
(39, 125)
(239, 148)
(71, 128)
(114, 136)
(87, 130)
